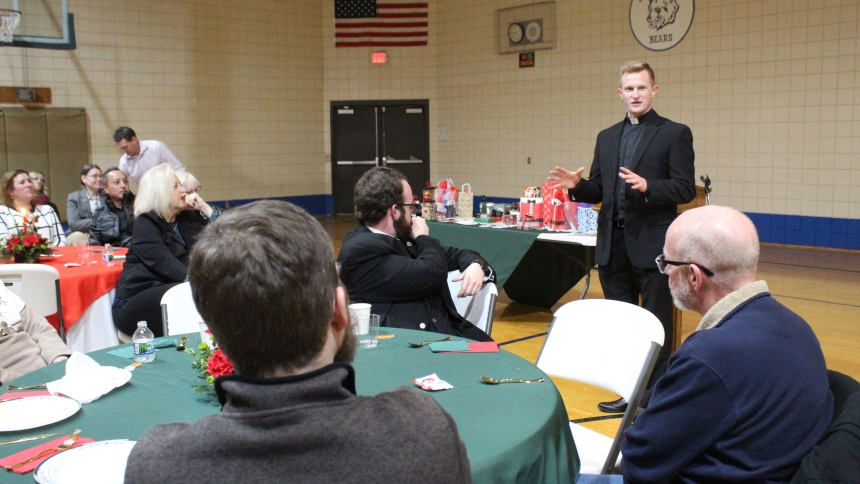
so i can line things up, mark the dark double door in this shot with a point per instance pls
(365, 134)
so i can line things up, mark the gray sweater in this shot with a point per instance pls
(308, 428)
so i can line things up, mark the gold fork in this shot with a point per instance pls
(64, 446)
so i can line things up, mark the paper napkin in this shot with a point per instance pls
(38, 393)
(480, 347)
(432, 383)
(449, 346)
(127, 352)
(86, 380)
(26, 454)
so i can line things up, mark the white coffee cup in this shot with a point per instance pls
(360, 315)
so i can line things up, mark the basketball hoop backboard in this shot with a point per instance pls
(44, 24)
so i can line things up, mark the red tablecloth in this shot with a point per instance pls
(81, 286)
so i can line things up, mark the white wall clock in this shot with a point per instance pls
(515, 33)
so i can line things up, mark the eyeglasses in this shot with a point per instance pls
(662, 263)
(416, 207)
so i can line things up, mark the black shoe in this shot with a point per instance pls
(618, 406)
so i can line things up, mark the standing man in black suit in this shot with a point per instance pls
(653, 159)
(390, 261)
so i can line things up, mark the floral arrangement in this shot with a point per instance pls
(25, 244)
(210, 364)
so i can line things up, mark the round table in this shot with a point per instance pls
(87, 294)
(512, 432)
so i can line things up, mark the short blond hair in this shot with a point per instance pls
(44, 185)
(156, 191)
(636, 66)
(189, 181)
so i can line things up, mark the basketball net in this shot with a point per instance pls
(8, 21)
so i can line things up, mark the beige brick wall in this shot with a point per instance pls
(241, 94)
(233, 88)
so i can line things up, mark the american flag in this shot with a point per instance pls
(368, 23)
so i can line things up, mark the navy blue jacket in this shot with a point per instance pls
(743, 401)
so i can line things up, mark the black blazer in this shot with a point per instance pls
(406, 282)
(664, 157)
(157, 255)
(78, 211)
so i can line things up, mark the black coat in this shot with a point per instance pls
(106, 228)
(157, 255)
(406, 282)
(664, 157)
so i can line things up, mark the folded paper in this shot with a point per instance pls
(480, 347)
(449, 346)
(86, 380)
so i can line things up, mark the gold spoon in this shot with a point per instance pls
(31, 387)
(423, 343)
(493, 381)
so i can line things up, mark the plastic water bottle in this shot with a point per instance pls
(144, 350)
(107, 256)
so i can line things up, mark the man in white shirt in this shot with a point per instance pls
(139, 156)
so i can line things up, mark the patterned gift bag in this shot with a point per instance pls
(586, 218)
(466, 202)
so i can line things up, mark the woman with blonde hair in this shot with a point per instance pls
(157, 258)
(40, 190)
(18, 208)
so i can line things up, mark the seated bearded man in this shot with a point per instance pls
(390, 261)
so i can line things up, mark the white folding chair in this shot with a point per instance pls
(477, 309)
(37, 285)
(178, 312)
(610, 344)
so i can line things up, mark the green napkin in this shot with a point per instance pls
(127, 352)
(449, 346)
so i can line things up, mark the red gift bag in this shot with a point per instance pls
(553, 206)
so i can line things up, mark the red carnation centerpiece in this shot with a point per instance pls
(210, 363)
(24, 244)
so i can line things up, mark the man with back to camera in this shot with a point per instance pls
(746, 396)
(390, 261)
(290, 412)
(653, 159)
(139, 156)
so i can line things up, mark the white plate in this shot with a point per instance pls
(32, 412)
(94, 463)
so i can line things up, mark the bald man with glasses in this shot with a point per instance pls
(746, 396)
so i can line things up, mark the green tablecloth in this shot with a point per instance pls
(531, 271)
(512, 432)
(501, 248)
